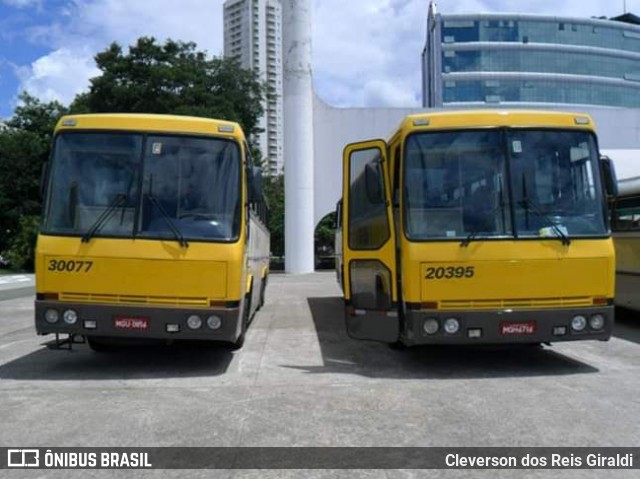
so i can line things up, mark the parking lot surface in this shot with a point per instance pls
(300, 381)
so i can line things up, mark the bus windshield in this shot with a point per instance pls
(502, 183)
(127, 178)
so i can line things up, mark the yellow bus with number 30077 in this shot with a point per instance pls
(154, 227)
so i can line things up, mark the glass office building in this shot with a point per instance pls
(497, 59)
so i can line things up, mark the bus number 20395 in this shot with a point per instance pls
(451, 272)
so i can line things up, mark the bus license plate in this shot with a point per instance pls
(518, 329)
(140, 324)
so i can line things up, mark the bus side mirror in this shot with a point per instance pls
(609, 176)
(373, 183)
(43, 179)
(255, 187)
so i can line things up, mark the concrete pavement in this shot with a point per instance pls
(16, 286)
(300, 381)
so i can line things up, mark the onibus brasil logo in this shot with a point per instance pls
(23, 458)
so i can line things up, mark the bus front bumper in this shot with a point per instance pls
(123, 321)
(507, 327)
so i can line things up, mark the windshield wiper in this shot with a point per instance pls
(120, 198)
(527, 204)
(470, 237)
(172, 226)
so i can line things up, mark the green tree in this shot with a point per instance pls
(173, 78)
(274, 193)
(324, 237)
(24, 148)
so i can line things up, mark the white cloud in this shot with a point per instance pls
(85, 27)
(368, 52)
(365, 52)
(389, 93)
(58, 76)
(572, 8)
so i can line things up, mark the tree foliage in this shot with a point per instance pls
(21, 253)
(324, 237)
(274, 193)
(169, 78)
(24, 148)
(174, 78)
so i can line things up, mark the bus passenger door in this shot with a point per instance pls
(368, 244)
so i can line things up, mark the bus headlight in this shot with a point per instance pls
(194, 322)
(51, 316)
(452, 326)
(214, 322)
(70, 316)
(596, 321)
(431, 326)
(578, 323)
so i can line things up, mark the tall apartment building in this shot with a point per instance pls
(507, 59)
(253, 34)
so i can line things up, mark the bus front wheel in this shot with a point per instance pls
(99, 345)
(246, 315)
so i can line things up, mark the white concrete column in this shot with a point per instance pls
(298, 136)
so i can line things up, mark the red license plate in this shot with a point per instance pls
(140, 324)
(518, 329)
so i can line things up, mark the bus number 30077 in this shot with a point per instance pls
(451, 272)
(62, 266)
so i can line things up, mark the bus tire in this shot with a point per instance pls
(398, 346)
(99, 346)
(263, 288)
(246, 316)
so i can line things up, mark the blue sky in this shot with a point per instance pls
(365, 52)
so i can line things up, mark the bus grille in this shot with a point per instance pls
(131, 299)
(583, 301)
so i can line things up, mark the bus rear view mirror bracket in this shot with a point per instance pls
(256, 190)
(609, 176)
(44, 174)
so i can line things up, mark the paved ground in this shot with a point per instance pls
(16, 286)
(300, 381)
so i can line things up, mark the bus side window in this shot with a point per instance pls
(626, 215)
(396, 176)
(255, 183)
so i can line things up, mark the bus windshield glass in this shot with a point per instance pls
(89, 173)
(463, 184)
(96, 179)
(196, 183)
(556, 181)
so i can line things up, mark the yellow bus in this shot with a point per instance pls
(153, 227)
(478, 227)
(625, 223)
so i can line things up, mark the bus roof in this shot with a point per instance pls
(494, 118)
(151, 123)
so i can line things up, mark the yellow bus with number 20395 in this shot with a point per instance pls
(478, 227)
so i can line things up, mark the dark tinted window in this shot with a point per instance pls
(368, 224)
(626, 216)
(455, 185)
(89, 172)
(197, 183)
